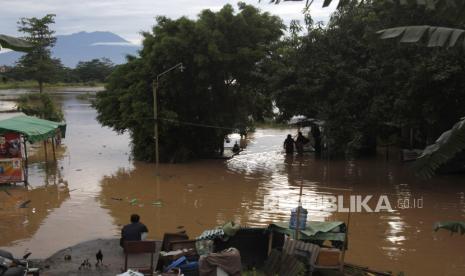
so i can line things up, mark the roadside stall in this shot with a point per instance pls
(15, 130)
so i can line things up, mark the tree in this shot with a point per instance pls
(221, 91)
(38, 62)
(436, 36)
(94, 70)
(40, 105)
(362, 86)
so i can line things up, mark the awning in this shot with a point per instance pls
(32, 128)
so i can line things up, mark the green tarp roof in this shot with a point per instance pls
(34, 129)
(314, 230)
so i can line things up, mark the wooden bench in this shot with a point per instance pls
(140, 247)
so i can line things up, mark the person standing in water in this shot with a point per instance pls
(289, 144)
(300, 142)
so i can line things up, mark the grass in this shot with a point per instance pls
(34, 84)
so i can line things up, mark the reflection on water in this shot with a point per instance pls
(258, 186)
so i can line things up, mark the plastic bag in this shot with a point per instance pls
(130, 273)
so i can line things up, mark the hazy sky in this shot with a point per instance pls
(128, 17)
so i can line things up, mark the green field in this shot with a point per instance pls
(35, 85)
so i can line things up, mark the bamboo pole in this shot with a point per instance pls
(26, 163)
(53, 149)
(45, 150)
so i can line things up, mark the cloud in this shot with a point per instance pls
(128, 18)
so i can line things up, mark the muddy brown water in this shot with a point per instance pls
(255, 188)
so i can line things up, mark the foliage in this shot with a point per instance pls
(40, 105)
(452, 226)
(222, 88)
(444, 149)
(362, 86)
(38, 63)
(95, 70)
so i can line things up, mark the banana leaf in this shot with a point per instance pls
(429, 4)
(452, 226)
(435, 36)
(14, 43)
(444, 149)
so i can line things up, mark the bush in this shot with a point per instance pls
(40, 105)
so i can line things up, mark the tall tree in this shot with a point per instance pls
(38, 62)
(222, 89)
(362, 86)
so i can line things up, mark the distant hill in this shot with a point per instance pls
(84, 46)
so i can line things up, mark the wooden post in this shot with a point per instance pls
(270, 242)
(53, 149)
(45, 150)
(345, 243)
(26, 163)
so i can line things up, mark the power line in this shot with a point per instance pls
(182, 123)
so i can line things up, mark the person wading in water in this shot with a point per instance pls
(289, 144)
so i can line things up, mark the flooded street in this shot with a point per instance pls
(255, 188)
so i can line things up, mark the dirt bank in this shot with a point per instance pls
(113, 259)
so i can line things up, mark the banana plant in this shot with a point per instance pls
(14, 43)
(444, 149)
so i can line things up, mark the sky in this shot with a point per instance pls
(127, 18)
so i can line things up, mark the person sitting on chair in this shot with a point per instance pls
(135, 231)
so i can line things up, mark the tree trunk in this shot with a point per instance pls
(41, 86)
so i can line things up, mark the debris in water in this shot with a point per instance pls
(157, 203)
(24, 204)
(8, 193)
(78, 170)
(117, 198)
(133, 201)
(180, 227)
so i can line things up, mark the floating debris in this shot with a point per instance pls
(157, 203)
(117, 198)
(24, 204)
(133, 201)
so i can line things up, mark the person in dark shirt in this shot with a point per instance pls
(300, 142)
(289, 144)
(135, 231)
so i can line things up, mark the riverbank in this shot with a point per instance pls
(68, 261)
(35, 85)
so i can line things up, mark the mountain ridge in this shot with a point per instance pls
(84, 46)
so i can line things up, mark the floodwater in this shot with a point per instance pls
(259, 186)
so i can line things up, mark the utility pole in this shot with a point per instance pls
(155, 108)
(155, 117)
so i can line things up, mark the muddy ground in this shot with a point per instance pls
(113, 259)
